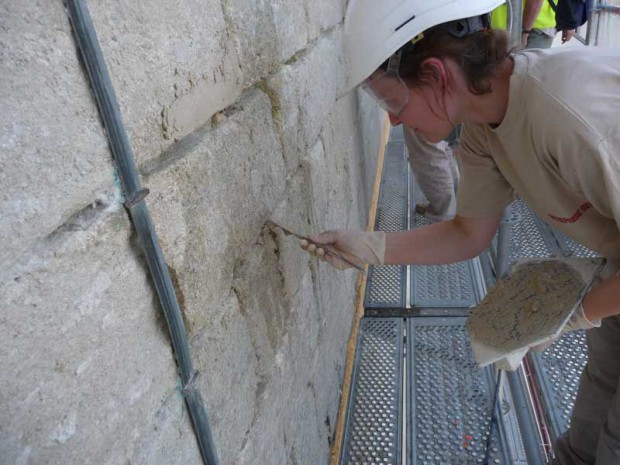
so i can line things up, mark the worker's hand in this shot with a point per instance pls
(524, 37)
(578, 320)
(359, 247)
(567, 35)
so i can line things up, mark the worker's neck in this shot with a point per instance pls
(491, 107)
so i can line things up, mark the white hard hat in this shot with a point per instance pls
(375, 29)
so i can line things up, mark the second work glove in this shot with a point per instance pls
(578, 320)
(359, 247)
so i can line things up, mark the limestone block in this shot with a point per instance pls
(253, 30)
(285, 426)
(54, 157)
(86, 359)
(337, 296)
(307, 90)
(291, 25)
(347, 164)
(323, 15)
(371, 121)
(230, 379)
(210, 205)
(320, 167)
(338, 170)
(294, 212)
(283, 331)
(299, 328)
(322, 336)
(172, 65)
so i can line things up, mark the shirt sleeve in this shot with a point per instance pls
(483, 191)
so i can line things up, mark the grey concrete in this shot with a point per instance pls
(236, 112)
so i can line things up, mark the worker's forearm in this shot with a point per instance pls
(530, 12)
(445, 242)
(603, 300)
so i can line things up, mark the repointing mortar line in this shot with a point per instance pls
(183, 146)
(359, 310)
(276, 113)
(94, 214)
(297, 56)
(186, 144)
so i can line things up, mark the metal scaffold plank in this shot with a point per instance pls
(373, 431)
(570, 248)
(442, 286)
(529, 236)
(450, 398)
(386, 284)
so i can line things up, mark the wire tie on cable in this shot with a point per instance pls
(136, 198)
(191, 383)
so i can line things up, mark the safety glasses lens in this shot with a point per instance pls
(389, 90)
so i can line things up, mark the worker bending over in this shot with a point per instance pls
(540, 124)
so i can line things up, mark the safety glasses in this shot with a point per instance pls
(387, 87)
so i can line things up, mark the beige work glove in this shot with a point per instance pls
(359, 247)
(578, 320)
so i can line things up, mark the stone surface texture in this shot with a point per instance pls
(236, 114)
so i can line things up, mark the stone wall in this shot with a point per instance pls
(236, 113)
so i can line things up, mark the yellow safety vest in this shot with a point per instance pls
(544, 20)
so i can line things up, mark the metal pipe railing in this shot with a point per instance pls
(515, 21)
(134, 195)
(526, 418)
(502, 257)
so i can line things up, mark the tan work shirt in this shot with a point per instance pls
(558, 147)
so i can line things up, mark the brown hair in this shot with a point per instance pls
(479, 55)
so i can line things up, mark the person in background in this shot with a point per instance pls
(527, 132)
(436, 173)
(538, 23)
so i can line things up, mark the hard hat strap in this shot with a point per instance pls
(394, 63)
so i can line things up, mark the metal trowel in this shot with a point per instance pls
(326, 247)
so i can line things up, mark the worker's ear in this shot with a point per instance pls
(434, 72)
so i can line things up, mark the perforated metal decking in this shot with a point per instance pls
(386, 284)
(374, 426)
(450, 397)
(558, 370)
(417, 396)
